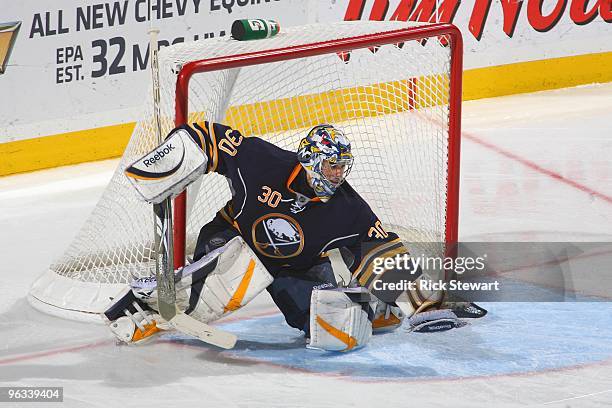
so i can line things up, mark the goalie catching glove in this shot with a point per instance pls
(169, 168)
(218, 284)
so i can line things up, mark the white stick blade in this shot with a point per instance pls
(202, 331)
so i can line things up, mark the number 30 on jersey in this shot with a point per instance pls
(229, 144)
(270, 197)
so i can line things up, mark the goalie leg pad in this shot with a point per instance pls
(219, 283)
(337, 321)
(292, 290)
(237, 277)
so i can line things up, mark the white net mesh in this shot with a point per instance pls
(393, 104)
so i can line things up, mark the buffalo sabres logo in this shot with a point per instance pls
(278, 236)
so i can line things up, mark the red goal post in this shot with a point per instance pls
(338, 46)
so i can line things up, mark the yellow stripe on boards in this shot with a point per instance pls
(328, 107)
(110, 141)
(63, 149)
(533, 76)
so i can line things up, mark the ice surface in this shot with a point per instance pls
(534, 167)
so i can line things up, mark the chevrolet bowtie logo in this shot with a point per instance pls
(8, 34)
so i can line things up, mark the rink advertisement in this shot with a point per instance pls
(512, 46)
(89, 57)
(76, 76)
(108, 56)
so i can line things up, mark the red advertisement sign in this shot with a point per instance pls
(581, 12)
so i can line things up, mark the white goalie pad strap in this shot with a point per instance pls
(168, 169)
(336, 322)
(237, 278)
(137, 323)
(386, 318)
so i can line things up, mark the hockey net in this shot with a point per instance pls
(393, 87)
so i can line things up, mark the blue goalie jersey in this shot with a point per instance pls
(277, 214)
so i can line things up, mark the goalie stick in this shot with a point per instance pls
(164, 265)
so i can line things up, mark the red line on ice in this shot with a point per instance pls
(537, 167)
(47, 353)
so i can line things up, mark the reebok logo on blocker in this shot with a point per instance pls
(158, 155)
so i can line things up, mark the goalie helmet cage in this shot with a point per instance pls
(393, 87)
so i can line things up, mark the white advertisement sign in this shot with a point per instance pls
(82, 64)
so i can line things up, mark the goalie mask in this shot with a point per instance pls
(325, 154)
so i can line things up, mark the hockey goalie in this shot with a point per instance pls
(286, 212)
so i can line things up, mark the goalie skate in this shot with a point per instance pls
(132, 321)
(387, 318)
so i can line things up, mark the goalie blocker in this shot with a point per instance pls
(167, 170)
